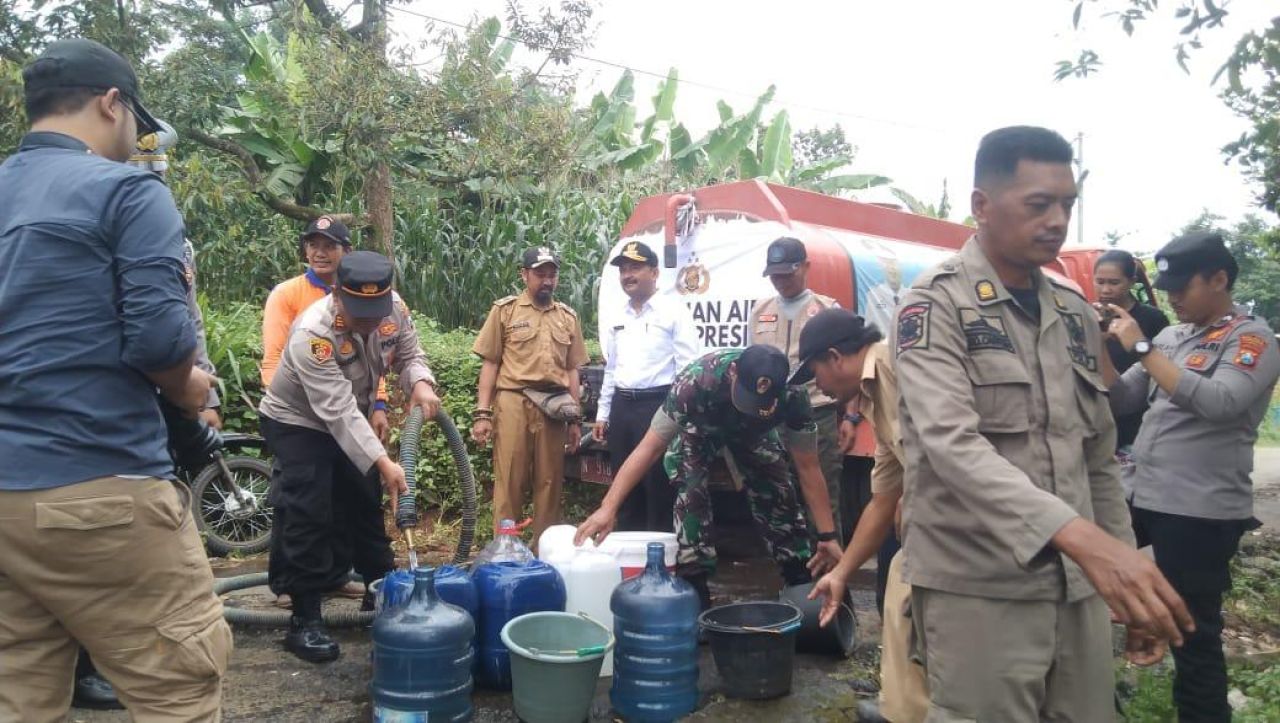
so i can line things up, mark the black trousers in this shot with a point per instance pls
(1194, 554)
(327, 514)
(649, 506)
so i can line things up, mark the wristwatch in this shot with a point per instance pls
(1142, 347)
(826, 536)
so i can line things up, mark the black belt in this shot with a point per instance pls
(649, 393)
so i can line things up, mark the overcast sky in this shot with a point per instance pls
(915, 84)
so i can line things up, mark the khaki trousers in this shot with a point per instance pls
(528, 451)
(903, 695)
(995, 660)
(117, 565)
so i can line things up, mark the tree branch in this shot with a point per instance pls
(320, 9)
(253, 175)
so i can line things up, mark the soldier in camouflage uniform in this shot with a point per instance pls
(733, 403)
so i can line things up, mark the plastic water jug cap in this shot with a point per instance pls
(509, 527)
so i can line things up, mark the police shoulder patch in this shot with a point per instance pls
(1251, 348)
(913, 326)
(321, 350)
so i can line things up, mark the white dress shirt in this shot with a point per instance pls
(645, 349)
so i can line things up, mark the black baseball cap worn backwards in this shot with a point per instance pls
(364, 285)
(828, 329)
(1191, 254)
(784, 256)
(82, 63)
(762, 381)
(636, 251)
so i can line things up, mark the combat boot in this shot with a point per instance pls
(307, 637)
(700, 584)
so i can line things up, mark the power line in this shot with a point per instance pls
(694, 83)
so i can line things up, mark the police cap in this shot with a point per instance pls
(364, 284)
(1198, 252)
(784, 256)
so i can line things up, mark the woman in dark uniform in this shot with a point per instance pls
(1114, 275)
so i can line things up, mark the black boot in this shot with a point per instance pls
(795, 572)
(307, 637)
(93, 691)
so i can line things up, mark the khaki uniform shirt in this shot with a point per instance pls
(770, 326)
(328, 376)
(534, 347)
(1007, 431)
(879, 406)
(1194, 453)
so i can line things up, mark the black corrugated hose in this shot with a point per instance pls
(409, 439)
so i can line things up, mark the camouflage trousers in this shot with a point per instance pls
(771, 495)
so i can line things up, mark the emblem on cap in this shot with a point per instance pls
(986, 290)
(633, 252)
(766, 412)
(323, 223)
(763, 384)
(369, 289)
(1162, 264)
(149, 142)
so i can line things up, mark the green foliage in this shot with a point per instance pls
(1146, 694)
(233, 337)
(1262, 687)
(1252, 72)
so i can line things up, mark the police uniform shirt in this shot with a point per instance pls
(1007, 433)
(533, 347)
(1194, 453)
(328, 375)
(778, 322)
(646, 348)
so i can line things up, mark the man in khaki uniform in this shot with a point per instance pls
(315, 417)
(777, 322)
(847, 360)
(1013, 514)
(529, 343)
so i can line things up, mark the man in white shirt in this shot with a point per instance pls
(883, 298)
(654, 338)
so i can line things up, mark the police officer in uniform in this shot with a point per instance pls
(654, 338)
(1017, 537)
(778, 321)
(532, 347)
(733, 403)
(1209, 381)
(328, 457)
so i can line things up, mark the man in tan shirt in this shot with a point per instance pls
(848, 361)
(1016, 536)
(529, 343)
(778, 322)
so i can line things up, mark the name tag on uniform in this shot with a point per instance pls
(768, 318)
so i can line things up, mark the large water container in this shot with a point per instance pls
(506, 546)
(655, 660)
(508, 590)
(589, 579)
(422, 659)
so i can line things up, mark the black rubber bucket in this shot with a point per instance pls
(837, 639)
(754, 646)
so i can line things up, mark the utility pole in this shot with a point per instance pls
(1081, 175)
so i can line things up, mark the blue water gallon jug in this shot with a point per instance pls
(508, 590)
(422, 659)
(655, 659)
